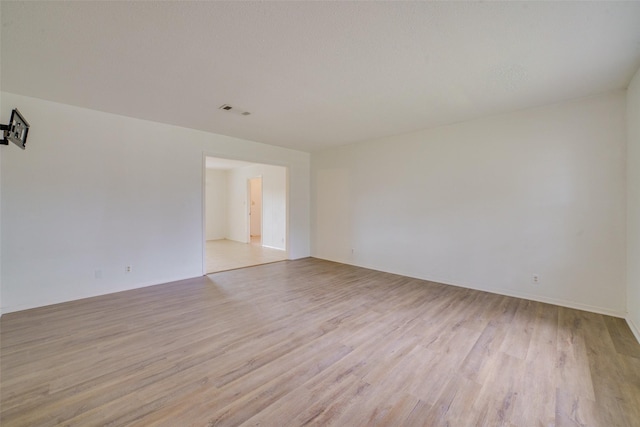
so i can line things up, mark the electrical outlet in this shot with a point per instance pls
(128, 269)
(535, 279)
(97, 274)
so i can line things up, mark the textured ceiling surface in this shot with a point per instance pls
(316, 74)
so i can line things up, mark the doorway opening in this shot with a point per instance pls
(255, 210)
(245, 214)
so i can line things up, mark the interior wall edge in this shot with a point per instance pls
(634, 328)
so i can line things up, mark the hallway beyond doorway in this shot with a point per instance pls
(227, 255)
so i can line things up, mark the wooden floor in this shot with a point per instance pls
(311, 342)
(226, 254)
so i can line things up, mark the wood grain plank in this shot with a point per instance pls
(312, 342)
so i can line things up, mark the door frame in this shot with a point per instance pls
(203, 195)
(249, 208)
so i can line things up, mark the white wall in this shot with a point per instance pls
(486, 204)
(1, 150)
(216, 204)
(274, 204)
(633, 205)
(97, 191)
(3, 120)
(255, 208)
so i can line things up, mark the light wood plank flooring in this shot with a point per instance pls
(312, 342)
(225, 254)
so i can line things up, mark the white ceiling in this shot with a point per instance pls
(316, 74)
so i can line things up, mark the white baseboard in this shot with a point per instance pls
(556, 301)
(507, 292)
(634, 328)
(273, 247)
(42, 303)
(547, 300)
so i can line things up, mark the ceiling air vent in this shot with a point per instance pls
(228, 107)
